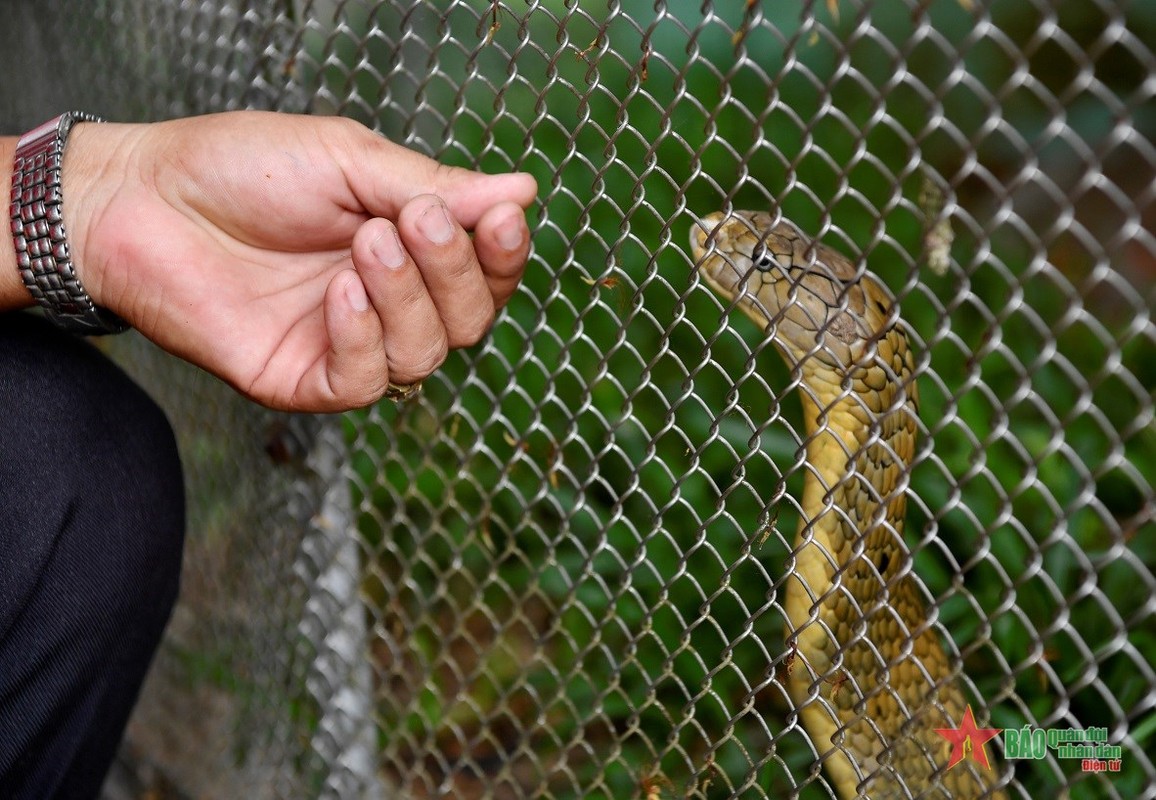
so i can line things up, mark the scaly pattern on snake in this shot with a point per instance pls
(870, 675)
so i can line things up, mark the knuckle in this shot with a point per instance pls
(414, 298)
(349, 391)
(347, 126)
(369, 393)
(448, 272)
(471, 331)
(465, 266)
(422, 363)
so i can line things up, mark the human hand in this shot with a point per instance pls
(304, 260)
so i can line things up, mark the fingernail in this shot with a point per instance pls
(510, 234)
(355, 294)
(387, 249)
(435, 225)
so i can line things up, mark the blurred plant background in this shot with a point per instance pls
(571, 547)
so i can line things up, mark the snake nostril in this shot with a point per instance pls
(884, 560)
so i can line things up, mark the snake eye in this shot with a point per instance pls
(763, 259)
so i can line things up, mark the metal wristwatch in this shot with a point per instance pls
(42, 253)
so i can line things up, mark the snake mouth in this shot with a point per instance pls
(726, 269)
(701, 229)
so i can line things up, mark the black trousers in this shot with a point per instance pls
(91, 534)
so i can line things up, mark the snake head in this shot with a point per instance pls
(812, 297)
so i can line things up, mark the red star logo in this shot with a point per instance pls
(968, 740)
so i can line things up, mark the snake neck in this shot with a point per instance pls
(861, 428)
(861, 425)
(853, 610)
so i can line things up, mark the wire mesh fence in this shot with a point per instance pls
(561, 571)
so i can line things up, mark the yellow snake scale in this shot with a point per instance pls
(869, 674)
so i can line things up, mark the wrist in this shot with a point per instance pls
(100, 171)
(82, 186)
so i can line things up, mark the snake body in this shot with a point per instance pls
(869, 675)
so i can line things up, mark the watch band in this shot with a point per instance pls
(42, 253)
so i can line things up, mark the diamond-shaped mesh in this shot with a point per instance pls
(560, 572)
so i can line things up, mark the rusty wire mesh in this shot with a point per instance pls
(559, 573)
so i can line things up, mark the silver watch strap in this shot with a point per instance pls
(42, 253)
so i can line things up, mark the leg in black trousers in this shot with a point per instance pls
(91, 533)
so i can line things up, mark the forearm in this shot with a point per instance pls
(12, 292)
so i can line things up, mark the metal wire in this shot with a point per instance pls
(567, 556)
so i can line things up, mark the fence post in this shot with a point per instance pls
(340, 678)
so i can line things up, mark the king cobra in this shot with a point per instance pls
(868, 671)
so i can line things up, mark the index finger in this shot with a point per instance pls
(384, 177)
